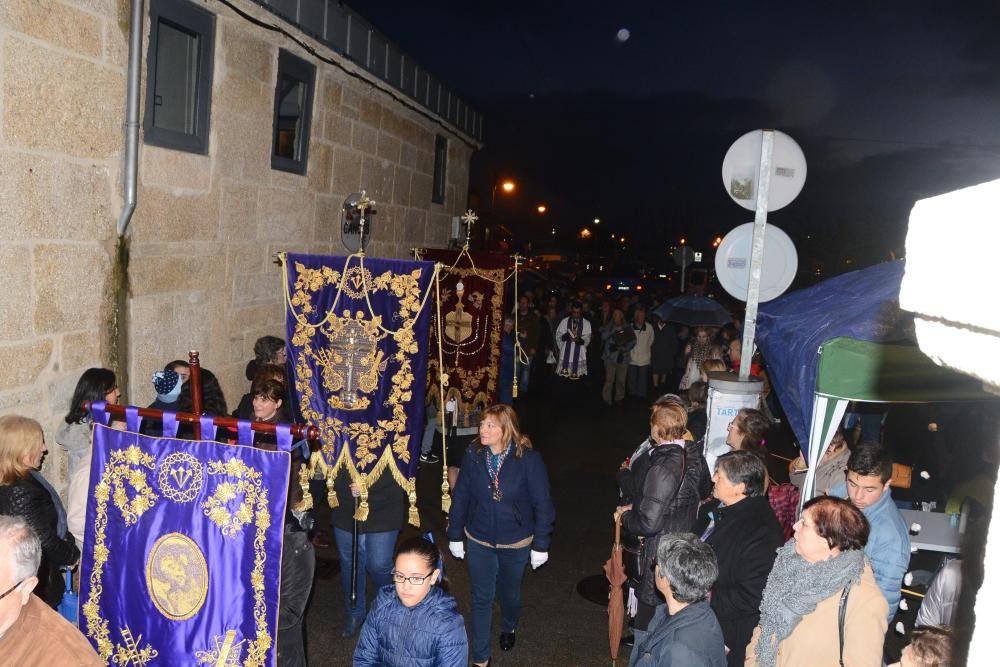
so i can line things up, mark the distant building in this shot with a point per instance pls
(250, 143)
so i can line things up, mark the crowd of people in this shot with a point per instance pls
(719, 571)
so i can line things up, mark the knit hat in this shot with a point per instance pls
(167, 385)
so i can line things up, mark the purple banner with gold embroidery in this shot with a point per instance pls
(357, 340)
(472, 312)
(182, 552)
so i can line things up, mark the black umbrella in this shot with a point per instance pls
(694, 311)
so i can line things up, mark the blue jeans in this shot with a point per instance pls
(374, 557)
(492, 573)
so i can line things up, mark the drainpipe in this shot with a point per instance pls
(118, 343)
(130, 172)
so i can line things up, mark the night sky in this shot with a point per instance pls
(890, 101)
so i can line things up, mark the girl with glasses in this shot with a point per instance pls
(413, 622)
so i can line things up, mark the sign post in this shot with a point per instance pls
(756, 252)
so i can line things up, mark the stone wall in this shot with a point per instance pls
(206, 227)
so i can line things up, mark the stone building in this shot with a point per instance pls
(227, 176)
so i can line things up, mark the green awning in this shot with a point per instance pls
(888, 373)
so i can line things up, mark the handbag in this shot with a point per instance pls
(841, 614)
(633, 545)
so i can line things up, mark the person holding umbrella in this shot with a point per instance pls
(503, 506)
(666, 487)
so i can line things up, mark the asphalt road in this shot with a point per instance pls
(582, 443)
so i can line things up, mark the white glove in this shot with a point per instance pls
(538, 558)
(457, 549)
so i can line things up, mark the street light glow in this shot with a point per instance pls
(597, 221)
(508, 186)
(585, 233)
(542, 208)
(683, 241)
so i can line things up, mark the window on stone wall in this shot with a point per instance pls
(293, 96)
(179, 76)
(440, 169)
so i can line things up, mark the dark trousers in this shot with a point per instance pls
(494, 573)
(298, 565)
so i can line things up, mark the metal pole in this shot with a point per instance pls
(131, 158)
(756, 252)
(683, 266)
(354, 555)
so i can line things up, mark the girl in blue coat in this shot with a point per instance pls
(503, 507)
(413, 622)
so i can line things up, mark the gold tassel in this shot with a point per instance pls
(414, 514)
(306, 504)
(514, 392)
(445, 496)
(362, 513)
(331, 495)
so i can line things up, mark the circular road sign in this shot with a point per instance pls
(742, 162)
(732, 262)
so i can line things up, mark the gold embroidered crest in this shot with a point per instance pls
(177, 576)
(180, 477)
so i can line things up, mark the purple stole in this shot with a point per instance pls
(573, 326)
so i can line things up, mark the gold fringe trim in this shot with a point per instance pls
(365, 480)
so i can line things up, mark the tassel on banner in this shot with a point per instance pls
(331, 495)
(362, 513)
(445, 496)
(514, 392)
(306, 504)
(414, 514)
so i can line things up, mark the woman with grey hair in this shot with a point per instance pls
(745, 535)
(684, 631)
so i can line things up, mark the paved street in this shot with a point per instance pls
(582, 446)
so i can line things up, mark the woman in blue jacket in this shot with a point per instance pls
(413, 622)
(503, 506)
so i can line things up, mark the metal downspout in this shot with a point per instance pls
(130, 169)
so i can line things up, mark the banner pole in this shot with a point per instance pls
(195, 365)
(354, 555)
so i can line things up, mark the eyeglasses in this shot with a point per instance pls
(11, 589)
(399, 578)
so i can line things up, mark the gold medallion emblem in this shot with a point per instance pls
(177, 576)
(180, 477)
(352, 363)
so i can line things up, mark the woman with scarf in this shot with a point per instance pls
(503, 506)
(820, 572)
(698, 349)
(665, 486)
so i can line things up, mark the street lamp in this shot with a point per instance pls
(597, 221)
(507, 185)
(542, 208)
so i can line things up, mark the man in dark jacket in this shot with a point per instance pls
(745, 535)
(684, 631)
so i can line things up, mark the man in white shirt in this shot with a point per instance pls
(639, 367)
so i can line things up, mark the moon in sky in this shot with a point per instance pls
(623, 35)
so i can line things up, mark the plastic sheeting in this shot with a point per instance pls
(791, 329)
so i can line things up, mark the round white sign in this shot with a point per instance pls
(732, 262)
(742, 162)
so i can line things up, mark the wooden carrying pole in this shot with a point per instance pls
(299, 431)
(194, 364)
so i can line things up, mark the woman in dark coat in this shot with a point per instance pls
(22, 448)
(666, 486)
(503, 509)
(745, 535)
